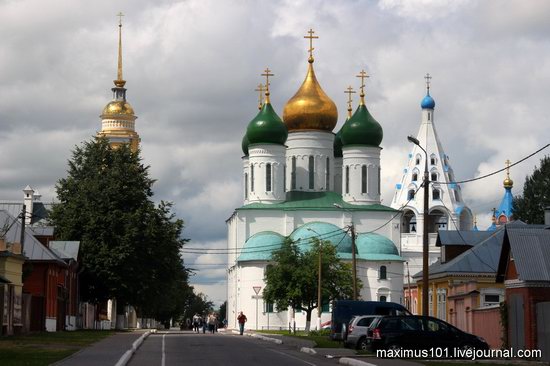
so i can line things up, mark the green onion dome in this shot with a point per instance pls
(244, 145)
(362, 129)
(266, 128)
(338, 144)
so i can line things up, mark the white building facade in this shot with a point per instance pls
(301, 180)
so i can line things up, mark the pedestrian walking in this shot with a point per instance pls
(241, 319)
(196, 322)
(204, 322)
(211, 323)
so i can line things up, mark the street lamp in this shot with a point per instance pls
(353, 259)
(425, 247)
(319, 305)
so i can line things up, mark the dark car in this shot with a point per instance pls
(344, 310)
(420, 332)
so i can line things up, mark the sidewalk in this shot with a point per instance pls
(106, 352)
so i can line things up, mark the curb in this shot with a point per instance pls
(137, 343)
(258, 336)
(353, 362)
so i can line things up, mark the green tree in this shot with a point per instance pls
(292, 278)
(222, 311)
(130, 248)
(536, 196)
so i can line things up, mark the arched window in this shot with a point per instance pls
(382, 274)
(433, 177)
(415, 177)
(383, 298)
(311, 172)
(347, 178)
(327, 176)
(436, 194)
(417, 159)
(432, 159)
(410, 194)
(364, 179)
(245, 186)
(268, 177)
(251, 178)
(293, 174)
(379, 181)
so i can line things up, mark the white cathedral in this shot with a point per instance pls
(301, 180)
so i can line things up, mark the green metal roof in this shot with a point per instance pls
(314, 201)
(260, 246)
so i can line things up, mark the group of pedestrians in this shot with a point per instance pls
(205, 322)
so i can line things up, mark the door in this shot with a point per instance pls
(543, 331)
(516, 322)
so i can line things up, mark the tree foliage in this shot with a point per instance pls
(130, 247)
(292, 278)
(536, 195)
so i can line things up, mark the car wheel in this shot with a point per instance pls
(467, 346)
(362, 344)
(393, 347)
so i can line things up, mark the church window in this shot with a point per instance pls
(268, 177)
(251, 178)
(410, 194)
(293, 174)
(311, 172)
(284, 177)
(383, 298)
(327, 176)
(379, 182)
(415, 177)
(417, 159)
(428, 116)
(436, 194)
(457, 196)
(347, 178)
(432, 160)
(434, 177)
(245, 186)
(364, 179)
(268, 307)
(382, 274)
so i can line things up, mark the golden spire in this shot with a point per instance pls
(349, 92)
(119, 82)
(267, 74)
(363, 74)
(508, 183)
(311, 37)
(261, 90)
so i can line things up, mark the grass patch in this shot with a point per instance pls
(321, 341)
(44, 348)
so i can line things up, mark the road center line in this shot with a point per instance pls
(163, 362)
(296, 358)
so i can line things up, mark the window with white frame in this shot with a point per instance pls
(431, 303)
(311, 172)
(383, 273)
(364, 179)
(293, 173)
(268, 177)
(442, 304)
(251, 178)
(245, 186)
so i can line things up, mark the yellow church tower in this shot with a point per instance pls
(118, 118)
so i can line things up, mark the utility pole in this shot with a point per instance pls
(354, 261)
(409, 285)
(22, 238)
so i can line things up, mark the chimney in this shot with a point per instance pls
(28, 200)
(547, 215)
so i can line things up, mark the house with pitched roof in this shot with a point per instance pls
(524, 269)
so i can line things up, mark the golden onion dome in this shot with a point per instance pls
(118, 107)
(310, 108)
(508, 183)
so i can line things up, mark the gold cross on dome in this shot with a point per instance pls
(311, 37)
(428, 78)
(349, 91)
(120, 15)
(363, 74)
(508, 162)
(261, 90)
(267, 73)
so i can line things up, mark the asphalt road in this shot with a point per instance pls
(185, 348)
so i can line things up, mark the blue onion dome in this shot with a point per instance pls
(338, 144)
(244, 145)
(428, 102)
(372, 246)
(266, 128)
(362, 129)
(303, 236)
(260, 246)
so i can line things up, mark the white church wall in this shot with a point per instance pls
(266, 173)
(355, 158)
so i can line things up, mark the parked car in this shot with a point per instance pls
(357, 331)
(419, 332)
(344, 310)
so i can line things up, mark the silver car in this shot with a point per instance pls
(356, 331)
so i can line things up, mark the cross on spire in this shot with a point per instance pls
(311, 37)
(261, 89)
(428, 78)
(267, 73)
(349, 91)
(119, 82)
(363, 74)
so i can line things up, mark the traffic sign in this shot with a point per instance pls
(257, 289)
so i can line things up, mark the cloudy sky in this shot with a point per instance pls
(192, 66)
